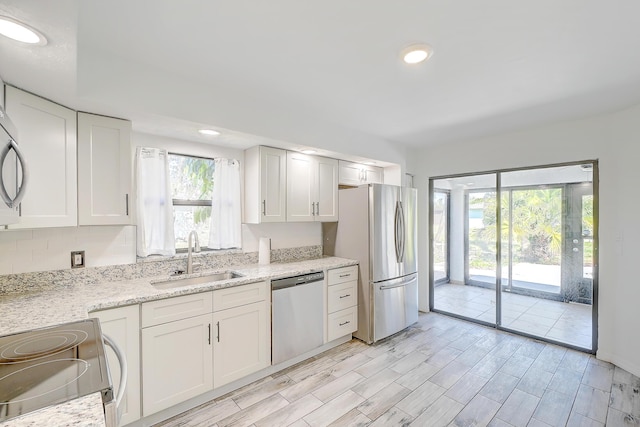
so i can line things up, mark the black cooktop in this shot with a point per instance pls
(52, 365)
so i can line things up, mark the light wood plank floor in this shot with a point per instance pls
(440, 371)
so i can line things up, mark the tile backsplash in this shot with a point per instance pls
(25, 251)
(46, 249)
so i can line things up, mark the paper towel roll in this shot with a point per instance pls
(264, 250)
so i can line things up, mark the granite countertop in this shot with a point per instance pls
(29, 310)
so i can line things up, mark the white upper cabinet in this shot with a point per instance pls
(312, 188)
(301, 194)
(265, 172)
(373, 175)
(327, 184)
(104, 170)
(355, 174)
(47, 137)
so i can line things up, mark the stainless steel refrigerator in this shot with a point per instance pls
(377, 227)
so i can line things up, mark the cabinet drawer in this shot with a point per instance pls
(344, 274)
(342, 323)
(239, 295)
(170, 309)
(342, 296)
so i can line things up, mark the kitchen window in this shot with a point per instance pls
(191, 190)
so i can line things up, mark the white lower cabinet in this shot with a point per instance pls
(241, 342)
(342, 322)
(342, 302)
(177, 362)
(122, 325)
(193, 343)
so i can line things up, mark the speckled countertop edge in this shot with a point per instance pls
(84, 411)
(32, 310)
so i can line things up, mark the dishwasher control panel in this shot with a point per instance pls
(297, 280)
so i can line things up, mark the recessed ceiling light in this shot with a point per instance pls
(21, 32)
(416, 53)
(308, 151)
(209, 132)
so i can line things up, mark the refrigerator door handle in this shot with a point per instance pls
(398, 285)
(396, 234)
(402, 233)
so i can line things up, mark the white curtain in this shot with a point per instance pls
(155, 235)
(225, 231)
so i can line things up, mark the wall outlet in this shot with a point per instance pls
(77, 259)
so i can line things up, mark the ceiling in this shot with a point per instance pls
(327, 74)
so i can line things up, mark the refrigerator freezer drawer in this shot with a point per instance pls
(395, 305)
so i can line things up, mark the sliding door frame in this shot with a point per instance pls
(596, 245)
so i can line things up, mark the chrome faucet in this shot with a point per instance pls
(189, 252)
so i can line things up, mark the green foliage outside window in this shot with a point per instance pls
(192, 187)
(536, 220)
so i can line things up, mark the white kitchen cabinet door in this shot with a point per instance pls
(312, 188)
(350, 173)
(122, 325)
(265, 172)
(177, 362)
(374, 175)
(355, 174)
(301, 187)
(342, 323)
(327, 189)
(47, 137)
(241, 342)
(104, 170)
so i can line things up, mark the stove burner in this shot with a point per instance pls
(34, 347)
(27, 383)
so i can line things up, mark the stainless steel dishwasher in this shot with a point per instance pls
(297, 315)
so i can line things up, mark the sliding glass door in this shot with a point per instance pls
(471, 247)
(533, 232)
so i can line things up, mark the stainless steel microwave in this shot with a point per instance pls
(13, 172)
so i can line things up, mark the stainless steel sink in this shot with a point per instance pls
(178, 282)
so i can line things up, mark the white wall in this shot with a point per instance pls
(613, 139)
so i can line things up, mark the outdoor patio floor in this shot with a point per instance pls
(568, 323)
